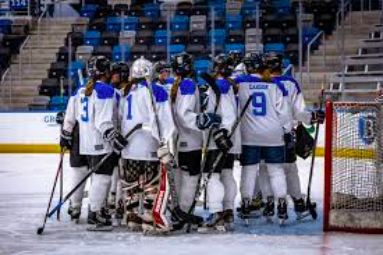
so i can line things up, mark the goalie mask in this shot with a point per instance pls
(182, 64)
(98, 66)
(141, 68)
(223, 65)
(122, 69)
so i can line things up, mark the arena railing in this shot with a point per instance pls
(316, 38)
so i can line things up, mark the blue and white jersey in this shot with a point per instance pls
(296, 100)
(95, 115)
(136, 108)
(227, 109)
(268, 116)
(186, 108)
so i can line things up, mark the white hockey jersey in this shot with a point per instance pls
(95, 115)
(298, 105)
(186, 108)
(227, 108)
(136, 108)
(268, 116)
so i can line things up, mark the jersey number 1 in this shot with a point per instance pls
(259, 104)
(129, 99)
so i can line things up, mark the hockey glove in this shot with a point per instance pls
(208, 120)
(60, 118)
(164, 155)
(222, 140)
(289, 139)
(66, 139)
(318, 116)
(117, 141)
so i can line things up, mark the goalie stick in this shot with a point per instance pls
(49, 214)
(309, 205)
(211, 82)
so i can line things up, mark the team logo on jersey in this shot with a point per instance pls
(367, 128)
(99, 147)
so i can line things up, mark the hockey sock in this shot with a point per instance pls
(187, 190)
(215, 193)
(277, 179)
(98, 191)
(264, 181)
(78, 173)
(248, 179)
(293, 181)
(230, 185)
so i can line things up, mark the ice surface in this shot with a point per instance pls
(25, 182)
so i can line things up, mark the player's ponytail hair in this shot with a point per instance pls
(174, 90)
(89, 87)
(266, 75)
(126, 86)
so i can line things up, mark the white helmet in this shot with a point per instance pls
(141, 68)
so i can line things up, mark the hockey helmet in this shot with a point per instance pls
(122, 69)
(160, 67)
(98, 66)
(141, 68)
(236, 56)
(273, 62)
(223, 65)
(182, 64)
(253, 62)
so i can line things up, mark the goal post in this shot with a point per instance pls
(353, 192)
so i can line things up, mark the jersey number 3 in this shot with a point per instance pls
(85, 113)
(259, 104)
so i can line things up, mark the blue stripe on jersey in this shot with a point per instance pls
(280, 85)
(160, 93)
(74, 93)
(169, 80)
(247, 78)
(283, 78)
(223, 85)
(104, 91)
(187, 87)
(118, 98)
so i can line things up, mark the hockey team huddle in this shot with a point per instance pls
(157, 139)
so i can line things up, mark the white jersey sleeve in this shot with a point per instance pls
(70, 114)
(186, 108)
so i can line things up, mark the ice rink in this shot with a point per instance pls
(26, 180)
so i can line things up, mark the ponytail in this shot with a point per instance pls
(126, 86)
(266, 75)
(89, 87)
(174, 90)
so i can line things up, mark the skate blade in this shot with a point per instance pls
(269, 219)
(301, 216)
(230, 227)
(211, 230)
(282, 223)
(95, 228)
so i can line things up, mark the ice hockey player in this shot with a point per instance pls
(119, 78)
(221, 188)
(98, 136)
(190, 121)
(274, 63)
(266, 122)
(161, 75)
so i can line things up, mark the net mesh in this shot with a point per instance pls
(356, 199)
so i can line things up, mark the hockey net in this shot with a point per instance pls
(353, 168)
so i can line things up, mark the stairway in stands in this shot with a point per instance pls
(320, 74)
(36, 57)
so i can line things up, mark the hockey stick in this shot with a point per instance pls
(309, 205)
(211, 82)
(61, 190)
(60, 204)
(41, 229)
(222, 154)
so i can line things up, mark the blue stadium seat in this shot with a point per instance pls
(233, 22)
(73, 70)
(117, 53)
(92, 38)
(180, 23)
(151, 10)
(235, 47)
(160, 37)
(130, 24)
(308, 34)
(249, 8)
(5, 26)
(219, 36)
(275, 47)
(219, 8)
(89, 11)
(114, 24)
(202, 66)
(58, 103)
(176, 49)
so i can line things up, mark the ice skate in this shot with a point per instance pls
(268, 211)
(214, 224)
(119, 215)
(74, 213)
(133, 222)
(229, 219)
(245, 210)
(98, 222)
(282, 211)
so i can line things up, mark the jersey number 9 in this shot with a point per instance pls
(259, 104)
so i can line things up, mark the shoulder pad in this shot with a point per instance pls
(103, 90)
(280, 86)
(159, 93)
(169, 80)
(292, 80)
(74, 93)
(187, 87)
(223, 85)
(247, 78)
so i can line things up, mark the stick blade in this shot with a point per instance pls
(40, 230)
